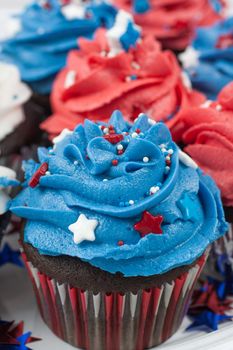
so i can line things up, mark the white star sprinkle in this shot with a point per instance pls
(189, 58)
(83, 229)
(65, 132)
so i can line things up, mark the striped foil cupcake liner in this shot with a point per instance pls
(114, 321)
(224, 245)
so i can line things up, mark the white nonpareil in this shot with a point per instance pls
(65, 132)
(114, 34)
(83, 229)
(13, 94)
(189, 58)
(186, 160)
(4, 197)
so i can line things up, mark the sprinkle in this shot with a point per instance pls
(170, 151)
(105, 130)
(151, 121)
(145, 159)
(114, 162)
(41, 171)
(47, 173)
(134, 135)
(103, 53)
(167, 169)
(168, 162)
(167, 157)
(120, 152)
(154, 189)
(163, 150)
(114, 138)
(128, 79)
(76, 162)
(219, 108)
(138, 131)
(120, 147)
(135, 65)
(162, 145)
(120, 243)
(104, 180)
(131, 202)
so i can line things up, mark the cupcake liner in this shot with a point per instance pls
(114, 321)
(224, 245)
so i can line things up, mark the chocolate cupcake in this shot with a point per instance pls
(118, 222)
(48, 30)
(172, 22)
(20, 117)
(208, 138)
(143, 78)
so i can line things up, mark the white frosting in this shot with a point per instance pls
(10, 25)
(189, 58)
(4, 197)
(83, 229)
(13, 94)
(113, 35)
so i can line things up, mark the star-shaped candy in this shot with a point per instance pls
(83, 229)
(189, 58)
(187, 206)
(149, 224)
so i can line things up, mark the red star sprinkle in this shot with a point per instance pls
(149, 224)
(36, 177)
(114, 138)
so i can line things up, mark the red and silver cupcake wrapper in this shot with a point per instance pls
(224, 245)
(114, 321)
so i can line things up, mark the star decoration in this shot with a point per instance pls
(65, 132)
(8, 255)
(12, 337)
(149, 224)
(187, 206)
(208, 319)
(83, 229)
(189, 58)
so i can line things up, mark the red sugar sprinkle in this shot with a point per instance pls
(114, 138)
(120, 151)
(138, 131)
(36, 177)
(114, 162)
(120, 243)
(168, 162)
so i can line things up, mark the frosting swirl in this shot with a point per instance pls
(49, 30)
(208, 137)
(7, 179)
(13, 94)
(211, 55)
(122, 197)
(176, 20)
(144, 79)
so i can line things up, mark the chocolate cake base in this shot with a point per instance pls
(80, 274)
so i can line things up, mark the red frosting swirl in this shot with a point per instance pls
(209, 140)
(173, 22)
(145, 79)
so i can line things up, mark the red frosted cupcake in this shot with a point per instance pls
(172, 22)
(102, 77)
(208, 139)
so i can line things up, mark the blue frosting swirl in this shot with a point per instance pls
(115, 181)
(214, 68)
(40, 48)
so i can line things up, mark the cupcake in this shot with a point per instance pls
(19, 120)
(208, 139)
(210, 55)
(143, 78)
(172, 22)
(118, 222)
(48, 31)
(7, 180)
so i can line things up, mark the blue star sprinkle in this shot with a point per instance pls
(188, 208)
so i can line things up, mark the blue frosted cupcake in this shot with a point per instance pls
(48, 30)
(209, 61)
(118, 222)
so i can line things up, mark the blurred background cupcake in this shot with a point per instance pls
(208, 138)
(172, 22)
(119, 70)
(118, 222)
(209, 60)
(47, 30)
